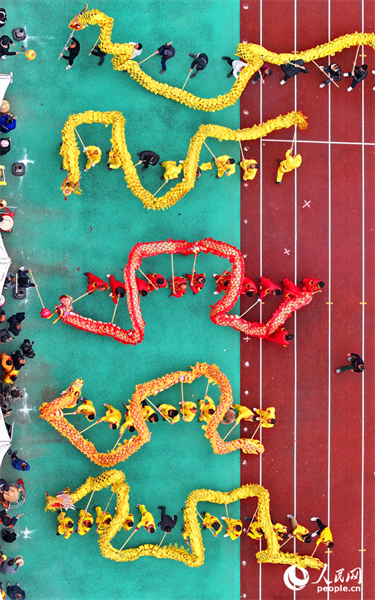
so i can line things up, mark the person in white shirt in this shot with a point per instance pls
(137, 48)
(237, 66)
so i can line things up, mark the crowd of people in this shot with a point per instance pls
(12, 363)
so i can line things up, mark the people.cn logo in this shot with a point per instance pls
(292, 581)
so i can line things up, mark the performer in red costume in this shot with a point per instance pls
(180, 287)
(280, 336)
(197, 281)
(95, 283)
(248, 287)
(268, 288)
(142, 286)
(117, 288)
(158, 280)
(222, 283)
(290, 290)
(312, 285)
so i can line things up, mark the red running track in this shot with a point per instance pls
(319, 458)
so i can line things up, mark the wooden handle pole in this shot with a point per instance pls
(150, 282)
(252, 306)
(162, 540)
(114, 312)
(89, 427)
(123, 546)
(36, 287)
(65, 46)
(291, 537)
(208, 385)
(89, 502)
(326, 74)
(94, 45)
(226, 510)
(165, 182)
(83, 295)
(172, 273)
(235, 425)
(104, 511)
(187, 79)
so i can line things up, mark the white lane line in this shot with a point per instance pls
(329, 292)
(329, 142)
(295, 314)
(363, 320)
(260, 270)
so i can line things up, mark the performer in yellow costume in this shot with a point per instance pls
(211, 522)
(148, 413)
(103, 520)
(6, 362)
(128, 423)
(250, 168)
(299, 532)
(88, 409)
(280, 530)
(172, 171)
(112, 416)
(169, 412)
(147, 520)
(188, 411)
(85, 522)
(267, 417)
(65, 525)
(243, 412)
(225, 164)
(255, 531)
(93, 154)
(207, 408)
(129, 522)
(324, 533)
(114, 161)
(10, 376)
(288, 165)
(234, 528)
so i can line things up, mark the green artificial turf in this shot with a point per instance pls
(60, 240)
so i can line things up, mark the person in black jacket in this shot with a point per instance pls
(334, 72)
(15, 592)
(24, 280)
(18, 360)
(15, 323)
(292, 68)
(200, 62)
(5, 41)
(148, 157)
(27, 349)
(5, 336)
(97, 52)
(358, 74)
(74, 48)
(356, 364)
(166, 524)
(166, 52)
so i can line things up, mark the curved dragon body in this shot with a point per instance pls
(52, 413)
(70, 151)
(253, 54)
(219, 311)
(195, 558)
